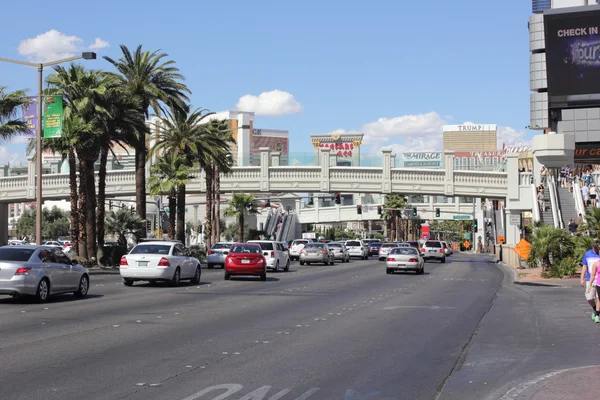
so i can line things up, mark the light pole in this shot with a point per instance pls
(38, 136)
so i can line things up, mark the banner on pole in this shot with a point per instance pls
(30, 118)
(53, 116)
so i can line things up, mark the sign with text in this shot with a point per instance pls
(423, 159)
(572, 54)
(587, 152)
(515, 219)
(30, 118)
(53, 116)
(461, 217)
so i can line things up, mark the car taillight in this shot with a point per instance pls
(302, 252)
(261, 261)
(272, 254)
(361, 249)
(22, 271)
(124, 261)
(164, 262)
(211, 252)
(412, 260)
(441, 250)
(323, 252)
(423, 250)
(390, 259)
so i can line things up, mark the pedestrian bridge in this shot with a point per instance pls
(270, 177)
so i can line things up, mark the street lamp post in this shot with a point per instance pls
(38, 145)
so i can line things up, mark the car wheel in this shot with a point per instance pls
(43, 291)
(263, 277)
(176, 278)
(388, 271)
(276, 269)
(227, 276)
(444, 260)
(128, 282)
(84, 286)
(301, 262)
(196, 279)
(287, 266)
(365, 257)
(210, 266)
(422, 271)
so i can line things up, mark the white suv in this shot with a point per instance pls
(297, 246)
(275, 255)
(357, 249)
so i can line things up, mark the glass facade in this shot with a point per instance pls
(538, 6)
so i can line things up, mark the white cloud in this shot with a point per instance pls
(53, 45)
(512, 137)
(274, 103)
(98, 44)
(6, 157)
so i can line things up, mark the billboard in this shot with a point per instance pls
(573, 57)
(429, 159)
(274, 143)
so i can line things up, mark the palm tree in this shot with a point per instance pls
(592, 216)
(549, 245)
(155, 82)
(168, 174)
(240, 205)
(123, 223)
(397, 203)
(10, 103)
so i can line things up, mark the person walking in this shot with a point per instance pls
(589, 266)
(572, 227)
(593, 194)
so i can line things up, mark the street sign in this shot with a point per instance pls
(53, 116)
(501, 239)
(462, 217)
(467, 244)
(168, 212)
(515, 219)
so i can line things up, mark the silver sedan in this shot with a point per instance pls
(404, 259)
(40, 271)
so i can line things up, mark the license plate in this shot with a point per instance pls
(433, 251)
(142, 263)
(245, 261)
(401, 265)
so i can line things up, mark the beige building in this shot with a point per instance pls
(470, 137)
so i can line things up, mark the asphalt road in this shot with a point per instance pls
(347, 331)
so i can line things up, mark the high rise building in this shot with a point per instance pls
(538, 6)
(470, 137)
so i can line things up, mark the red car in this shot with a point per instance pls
(245, 259)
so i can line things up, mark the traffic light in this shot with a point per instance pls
(268, 203)
(338, 198)
(475, 225)
(359, 209)
(414, 211)
(110, 205)
(132, 210)
(437, 212)
(379, 210)
(148, 226)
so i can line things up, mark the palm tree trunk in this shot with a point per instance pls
(213, 207)
(140, 178)
(181, 213)
(172, 213)
(101, 201)
(73, 198)
(217, 198)
(90, 210)
(209, 198)
(241, 227)
(82, 206)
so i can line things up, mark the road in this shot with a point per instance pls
(347, 331)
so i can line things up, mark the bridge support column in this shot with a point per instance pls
(513, 234)
(449, 177)
(264, 169)
(386, 184)
(3, 224)
(31, 172)
(324, 158)
(275, 159)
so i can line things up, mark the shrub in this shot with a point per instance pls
(565, 267)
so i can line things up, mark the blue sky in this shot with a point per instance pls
(396, 70)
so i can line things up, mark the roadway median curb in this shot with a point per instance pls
(104, 271)
(511, 274)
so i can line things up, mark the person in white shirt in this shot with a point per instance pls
(585, 193)
(593, 194)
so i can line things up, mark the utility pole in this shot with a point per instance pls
(473, 227)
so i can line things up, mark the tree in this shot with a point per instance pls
(10, 103)
(549, 245)
(55, 223)
(147, 77)
(397, 203)
(592, 216)
(240, 205)
(123, 223)
(232, 231)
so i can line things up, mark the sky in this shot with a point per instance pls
(395, 70)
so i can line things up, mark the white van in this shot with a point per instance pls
(297, 246)
(275, 255)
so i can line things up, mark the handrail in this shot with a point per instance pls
(536, 205)
(554, 204)
(578, 197)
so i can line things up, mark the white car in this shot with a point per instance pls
(160, 261)
(275, 255)
(447, 248)
(404, 259)
(53, 243)
(385, 249)
(356, 248)
(297, 246)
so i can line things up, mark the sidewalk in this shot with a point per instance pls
(104, 271)
(529, 347)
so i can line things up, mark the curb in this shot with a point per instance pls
(98, 271)
(512, 274)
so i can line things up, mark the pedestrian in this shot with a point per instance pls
(593, 194)
(541, 202)
(589, 261)
(585, 193)
(572, 227)
(580, 220)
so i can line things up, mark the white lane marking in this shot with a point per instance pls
(230, 388)
(354, 395)
(140, 384)
(427, 307)
(522, 387)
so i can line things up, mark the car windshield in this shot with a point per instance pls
(403, 245)
(405, 251)
(298, 242)
(151, 249)
(245, 248)
(389, 245)
(433, 244)
(265, 245)
(353, 243)
(15, 254)
(314, 246)
(222, 246)
(376, 244)
(335, 245)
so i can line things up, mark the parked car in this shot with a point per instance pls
(340, 252)
(245, 259)
(295, 248)
(160, 261)
(447, 248)
(357, 249)
(385, 249)
(275, 255)
(54, 243)
(433, 250)
(316, 253)
(216, 255)
(404, 259)
(40, 271)
(18, 243)
(374, 248)
(414, 243)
